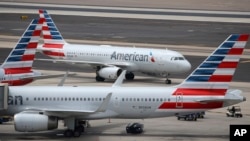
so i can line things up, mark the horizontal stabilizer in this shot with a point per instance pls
(46, 76)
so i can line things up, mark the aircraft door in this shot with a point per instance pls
(179, 100)
(160, 61)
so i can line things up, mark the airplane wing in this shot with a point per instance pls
(64, 112)
(45, 76)
(118, 64)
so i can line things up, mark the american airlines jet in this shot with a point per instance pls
(109, 61)
(38, 108)
(17, 68)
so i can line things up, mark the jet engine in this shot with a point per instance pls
(109, 72)
(30, 122)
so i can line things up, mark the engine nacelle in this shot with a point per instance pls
(30, 122)
(110, 72)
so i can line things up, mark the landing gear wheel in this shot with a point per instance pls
(68, 133)
(168, 81)
(77, 133)
(99, 79)
(129, 76)
(80, 128)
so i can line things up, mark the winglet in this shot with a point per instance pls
(104, 105)
(120, 79)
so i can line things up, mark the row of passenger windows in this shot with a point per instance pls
(145, 99)
(90, 54)
(66, 99)
(94, 99)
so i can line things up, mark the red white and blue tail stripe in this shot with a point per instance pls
(53, 40)
(20, 60)
(207, 86)
(212, 77)
(22, 55)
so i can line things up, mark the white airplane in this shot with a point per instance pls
(17, 67)
(38, 108)
(109, 61)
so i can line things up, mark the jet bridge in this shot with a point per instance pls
(3, 96)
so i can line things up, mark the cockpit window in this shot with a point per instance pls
(177, 58)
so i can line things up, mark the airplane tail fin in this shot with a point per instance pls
(20, 59)
(51, 35)
(212, 76)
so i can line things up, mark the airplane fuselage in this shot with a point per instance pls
(158, 62)
(124, 103)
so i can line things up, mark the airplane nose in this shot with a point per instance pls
(186, 66)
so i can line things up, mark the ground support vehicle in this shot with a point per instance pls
(234, 111)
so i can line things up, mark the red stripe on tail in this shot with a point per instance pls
(235, 51)
(32, 45)
(53, 45)
(191, 105)
(17, 70)
(243, 37)
(28, 57)
(220, 78)
(228, 65)
(50, 53)
(200, 92)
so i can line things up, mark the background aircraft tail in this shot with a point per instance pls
(22, 55)
(20, 60)
(213, 75)
(53, 40)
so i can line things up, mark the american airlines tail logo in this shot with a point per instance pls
(132, 57)
(212, 77)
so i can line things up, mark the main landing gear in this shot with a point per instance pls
(75, 127)
(130, 76)
(168, 81)
(74, 133)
